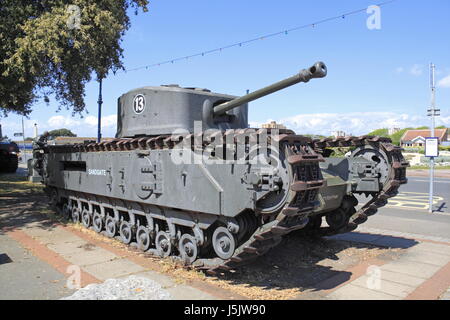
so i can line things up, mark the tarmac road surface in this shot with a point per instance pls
(408, 212)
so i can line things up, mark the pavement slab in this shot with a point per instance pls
(53, 235)
(353, 292)
(23, 276)
(427, 257)
(385, 286)
(416, 269)
(401, 278)
(426, 247)
(113, 269)
(445, 295)
(177, 291)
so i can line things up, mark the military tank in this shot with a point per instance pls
(186, 177)
(9, 161)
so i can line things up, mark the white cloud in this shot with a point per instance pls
(445, 82)
(416, 70)
(62, 122)
(399, 70)
(355, 123)
(107, 121)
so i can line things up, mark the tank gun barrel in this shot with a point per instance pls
(318, 70)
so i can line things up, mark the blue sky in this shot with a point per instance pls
(376, 78)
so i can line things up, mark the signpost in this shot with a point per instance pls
(432, 147)
(432, 143)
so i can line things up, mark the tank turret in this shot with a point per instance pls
(165, 109)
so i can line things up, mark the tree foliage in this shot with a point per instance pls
(61, 133)
(396, 136)
(380, 132)
(55, 46)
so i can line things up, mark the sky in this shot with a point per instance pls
(377, 78)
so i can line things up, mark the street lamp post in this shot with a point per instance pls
(100, 101)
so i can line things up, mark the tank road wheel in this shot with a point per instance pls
(163, 245)
(86, 218)
(111, 227)
(337, 218)
(223, 242)
(188, 248)
(97, 222)
(143, 238)
(75, 214)
(126, 232)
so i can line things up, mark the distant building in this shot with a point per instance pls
(391, 131)
(273, 125)
(416, 138)
(338, 134)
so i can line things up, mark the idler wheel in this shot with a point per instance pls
(143, 238)
(75, 214)
(97, 222)
(111, 227)
(188, 248)
(163, 245)
(126, 232)
(86, 218)
(223, 242)
(337, 219)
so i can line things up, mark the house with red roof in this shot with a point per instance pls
(416, 138)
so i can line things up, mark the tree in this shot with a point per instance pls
(380, 132)
(55, 46)
(61, 133)
(398, 135)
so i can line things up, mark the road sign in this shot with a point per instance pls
(18, 134)
(432, 147)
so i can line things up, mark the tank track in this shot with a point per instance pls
(390, 188)
(306, 181)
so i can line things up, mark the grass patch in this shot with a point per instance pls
(12, 184)
(427, 167)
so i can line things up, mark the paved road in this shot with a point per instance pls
(23, 276)
(408, 212)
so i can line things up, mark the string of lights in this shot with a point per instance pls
(262, 37)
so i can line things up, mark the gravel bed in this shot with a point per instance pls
(129, 288)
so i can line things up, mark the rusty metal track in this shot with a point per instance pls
(396, 178)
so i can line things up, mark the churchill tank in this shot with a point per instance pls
(186, 177)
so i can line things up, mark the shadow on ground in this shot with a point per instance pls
(22, 203)
(313, 264)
